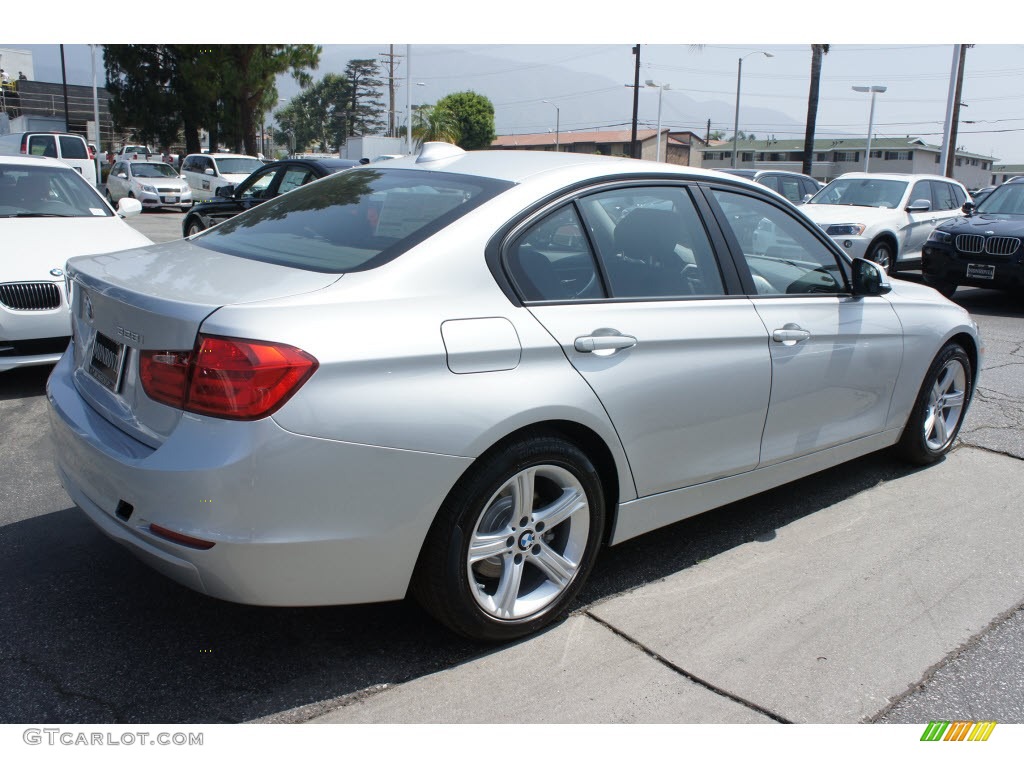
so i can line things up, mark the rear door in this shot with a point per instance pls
(74, 151)
(835, 357)
(627, 281)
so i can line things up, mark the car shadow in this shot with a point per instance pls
(983, 301)
(24, 382)
(93, 635)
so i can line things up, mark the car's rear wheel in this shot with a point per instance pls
(884, 256)
(110, 199)
(514, 541)
(940, 407)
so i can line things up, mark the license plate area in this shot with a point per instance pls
(170, 199)
(981, 271)
(106, 361)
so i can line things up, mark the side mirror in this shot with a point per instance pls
(869, 279)
(968, 208)
(919, 206)
(807, 197)
(210, 172)
(182, 176)
(122, 175)
(129, 206)
(226, 191)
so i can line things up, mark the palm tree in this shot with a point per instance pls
(435, 124)
(817, 52)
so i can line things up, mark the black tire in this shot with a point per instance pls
(525, 572)
(882, 253)
(946, 289)
(110, 200)
(936, 417)
(195, 226)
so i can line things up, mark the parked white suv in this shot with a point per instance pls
(206, 173)
(885, 217)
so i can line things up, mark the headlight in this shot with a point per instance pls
(937, 236)
(149, 188)
(844, 230)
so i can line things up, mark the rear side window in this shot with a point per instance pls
(351, 222)
(73, 148)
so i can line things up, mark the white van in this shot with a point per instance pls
(68, 147)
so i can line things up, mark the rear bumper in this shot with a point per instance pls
(294, 520)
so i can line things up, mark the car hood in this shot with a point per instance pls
(33, 247)
(182, 272)
(848, 214)
(985, 223)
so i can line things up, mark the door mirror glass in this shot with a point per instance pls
(919, 206)
(967, 208)
(869, 279)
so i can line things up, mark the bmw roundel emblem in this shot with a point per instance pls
(56, 272)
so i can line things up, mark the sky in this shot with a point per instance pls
(520, 63)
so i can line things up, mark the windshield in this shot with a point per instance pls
(27, 192)
(870, 193)
(1007, 200)
(153, 170)
(244, 165)
(351, 221)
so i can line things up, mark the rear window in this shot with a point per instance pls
(352, 221)
(73, 148)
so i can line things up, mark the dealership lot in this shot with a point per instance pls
(765, 587)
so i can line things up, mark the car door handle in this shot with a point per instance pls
(790, 334)
(596, 343)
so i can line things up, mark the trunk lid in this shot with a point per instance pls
(157, 298)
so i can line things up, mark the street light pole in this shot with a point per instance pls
(558, 116)
(872, 89)
(661, 91)
(736, 120)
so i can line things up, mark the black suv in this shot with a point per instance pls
(982, 248)
(795, 187)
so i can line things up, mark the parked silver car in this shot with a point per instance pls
(461, 373)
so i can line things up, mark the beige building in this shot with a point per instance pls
(677, 147)
(834, 157)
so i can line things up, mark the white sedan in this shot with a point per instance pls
(155, 185)
(48, 214)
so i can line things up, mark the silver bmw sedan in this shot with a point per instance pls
(458, 375)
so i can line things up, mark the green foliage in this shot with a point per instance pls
(474, 114)
(160, 90)
(365, 109)
(435, 124)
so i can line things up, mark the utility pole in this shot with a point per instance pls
(954, 123)
(64, 78)
(634, 148)
(707, 136)
(391, 56)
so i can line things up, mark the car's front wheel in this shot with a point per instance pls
(514, 541)
(884, 256)
(940, 407)
(195, 227)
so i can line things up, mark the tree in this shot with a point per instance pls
(818, 51)
(474, 115)
(318, 116)
(161, 89)
(435, 124)
(365, 108)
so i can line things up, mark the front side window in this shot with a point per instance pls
(783, 255)
(942, 196)
(259, 185)
(351, 221)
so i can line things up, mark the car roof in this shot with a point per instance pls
(896, 176)
(32, 160)
(221, 154)
(518, 166)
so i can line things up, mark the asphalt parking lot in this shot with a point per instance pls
(92, 635)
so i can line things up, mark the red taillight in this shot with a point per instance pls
(228, 378)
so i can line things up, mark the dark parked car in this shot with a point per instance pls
(267, 182)
(793, 186)
(981, 248)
